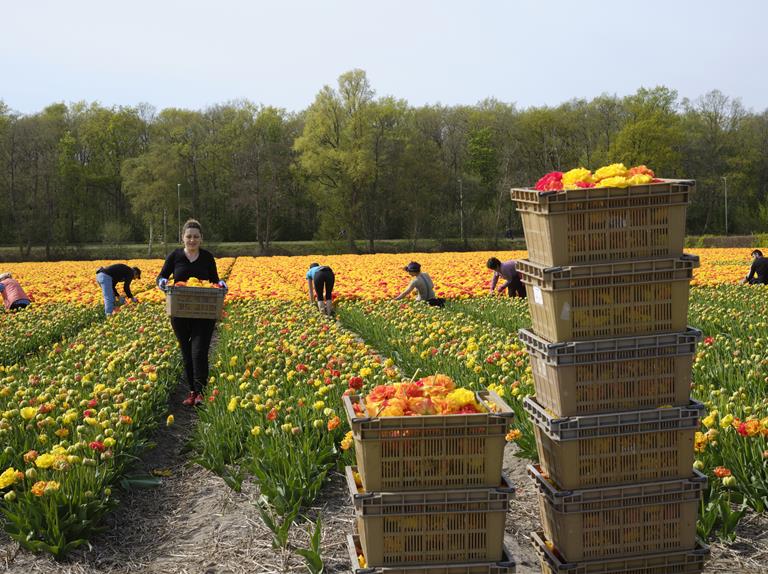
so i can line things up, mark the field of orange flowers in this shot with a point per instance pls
(456, 275)
(80, 396)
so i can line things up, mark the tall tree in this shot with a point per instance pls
(652, 134)
(149, 181)
(336, 154)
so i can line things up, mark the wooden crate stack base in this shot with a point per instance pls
(614, 521)
(506, 565)
(674, 562)
(430, 497)
(432, 526)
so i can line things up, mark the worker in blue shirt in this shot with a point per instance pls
(320, 279)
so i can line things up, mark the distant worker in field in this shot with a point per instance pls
(109, 277)
(422, 282)
(320, 280)
(507, 271)
(14, 297)
(758, 273)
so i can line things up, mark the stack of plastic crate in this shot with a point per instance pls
(611, 357)
(428, 492)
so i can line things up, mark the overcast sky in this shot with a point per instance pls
(195, 53)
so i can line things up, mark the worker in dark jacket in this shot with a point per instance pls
(109, 277)
(758, 272)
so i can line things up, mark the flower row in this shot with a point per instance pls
(73, 418)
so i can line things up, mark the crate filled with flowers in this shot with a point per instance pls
(194, 299)
(580, 217)
(428, 434)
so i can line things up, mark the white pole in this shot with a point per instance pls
(178, 208)
(725, 185)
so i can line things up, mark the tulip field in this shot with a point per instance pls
(81, 396)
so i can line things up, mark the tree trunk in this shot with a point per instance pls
(149, 248)
(165, 232)
(414, 234)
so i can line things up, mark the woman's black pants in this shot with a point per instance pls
(194, 337)
(516, 287)
(324, 280)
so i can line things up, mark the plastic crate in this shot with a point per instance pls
(606, 375)
(505, 566)
(619, 521)
(616, 448)
(582, 226)
(433, 526)
(608, 300)
(681, 562)
(194, 302)
(430, 452)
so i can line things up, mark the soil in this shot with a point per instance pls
(193, 523)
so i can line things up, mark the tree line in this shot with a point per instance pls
(357, 167)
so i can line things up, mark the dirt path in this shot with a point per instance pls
(195, 524)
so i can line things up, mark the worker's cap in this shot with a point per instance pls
(413, 267)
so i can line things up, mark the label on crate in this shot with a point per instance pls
(537, 297)
(565, 312)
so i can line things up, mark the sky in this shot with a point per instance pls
(196, 53)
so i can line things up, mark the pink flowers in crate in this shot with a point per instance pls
(614, 175)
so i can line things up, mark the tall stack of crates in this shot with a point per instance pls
(428, 492)
(611, 357)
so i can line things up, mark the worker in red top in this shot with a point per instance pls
(13, 295)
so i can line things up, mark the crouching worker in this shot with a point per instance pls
(14, 297)
(507, 271)
(109, 277)
(320, 280)
(422, 282)
(758, 272)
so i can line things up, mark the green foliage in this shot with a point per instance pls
(115, 232)
(311, 555)
(356, 166)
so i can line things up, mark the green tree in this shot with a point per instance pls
(652, 134)
(336, 155)
(149, 182)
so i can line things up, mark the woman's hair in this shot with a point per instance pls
(757, 252)
(311, 265)
(192, 224)
(136, 272)
(493, 263)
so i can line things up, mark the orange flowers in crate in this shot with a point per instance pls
(433, 395)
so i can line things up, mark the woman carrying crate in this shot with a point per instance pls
(194, 335)
(320, 280)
